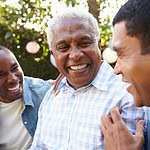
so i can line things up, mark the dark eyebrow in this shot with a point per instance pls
(86, 38)
(115, 49)
(118, 50)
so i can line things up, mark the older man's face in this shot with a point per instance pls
(134, 67)
(11, 77)
(76, 53)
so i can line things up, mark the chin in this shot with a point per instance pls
(20, 94)
(138, 101)
(139, 105)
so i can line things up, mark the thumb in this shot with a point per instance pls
(140, 131)
(140, 128)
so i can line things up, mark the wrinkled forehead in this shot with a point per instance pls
(71, 24)
(70, 31)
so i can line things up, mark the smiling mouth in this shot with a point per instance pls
(15, 88)
(78, 67)
(129, 87)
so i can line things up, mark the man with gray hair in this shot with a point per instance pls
(70, 119)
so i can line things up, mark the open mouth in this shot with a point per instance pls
(129, 87)
(78, 67)
(15, 88)
(128, 84)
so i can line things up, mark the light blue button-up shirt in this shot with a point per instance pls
(71, 119)
(34, 90)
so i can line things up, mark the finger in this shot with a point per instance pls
(140, 128)
(57, 82)
(107, 121)
(103, 129)
(115, 114)
(52, 82)
(140, 133)
(117, 109)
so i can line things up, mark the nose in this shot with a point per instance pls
(11, 78)
(117, 69)
(76, 54)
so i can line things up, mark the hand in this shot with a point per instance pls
(116, 134)
(56, 83)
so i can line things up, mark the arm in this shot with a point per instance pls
(116, 134)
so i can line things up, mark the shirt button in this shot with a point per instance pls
(25, 122)
(65, 88)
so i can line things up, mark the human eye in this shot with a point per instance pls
(1, 75)
(121, 52)
(63, 48)
(85, 43)
(15, 68)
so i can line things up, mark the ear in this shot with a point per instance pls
(99, 44)
(51, 52)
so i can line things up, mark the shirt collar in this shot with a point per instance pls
(103, 76)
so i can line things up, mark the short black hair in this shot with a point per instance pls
(136, 14)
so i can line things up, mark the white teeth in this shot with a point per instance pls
(128, 84)
(14, 88)
(78, 67)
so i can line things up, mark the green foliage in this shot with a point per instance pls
(106, 33)
(70, 2)
(15, 35)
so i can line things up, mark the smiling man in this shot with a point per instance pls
(12, 88)
(70, 119)
(20, 98)
(131, 41)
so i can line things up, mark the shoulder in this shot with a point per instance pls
(36, 82)
(36, 86)
(35, 89)
(116, 87)
(107, 80)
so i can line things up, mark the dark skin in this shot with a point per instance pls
(135, 69)
(77, 54)
(116, 134)
(11, 77)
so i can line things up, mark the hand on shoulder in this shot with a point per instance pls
(116, 134)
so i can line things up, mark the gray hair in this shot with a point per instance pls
(73, 13)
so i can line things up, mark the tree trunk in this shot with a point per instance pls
(94, 8)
